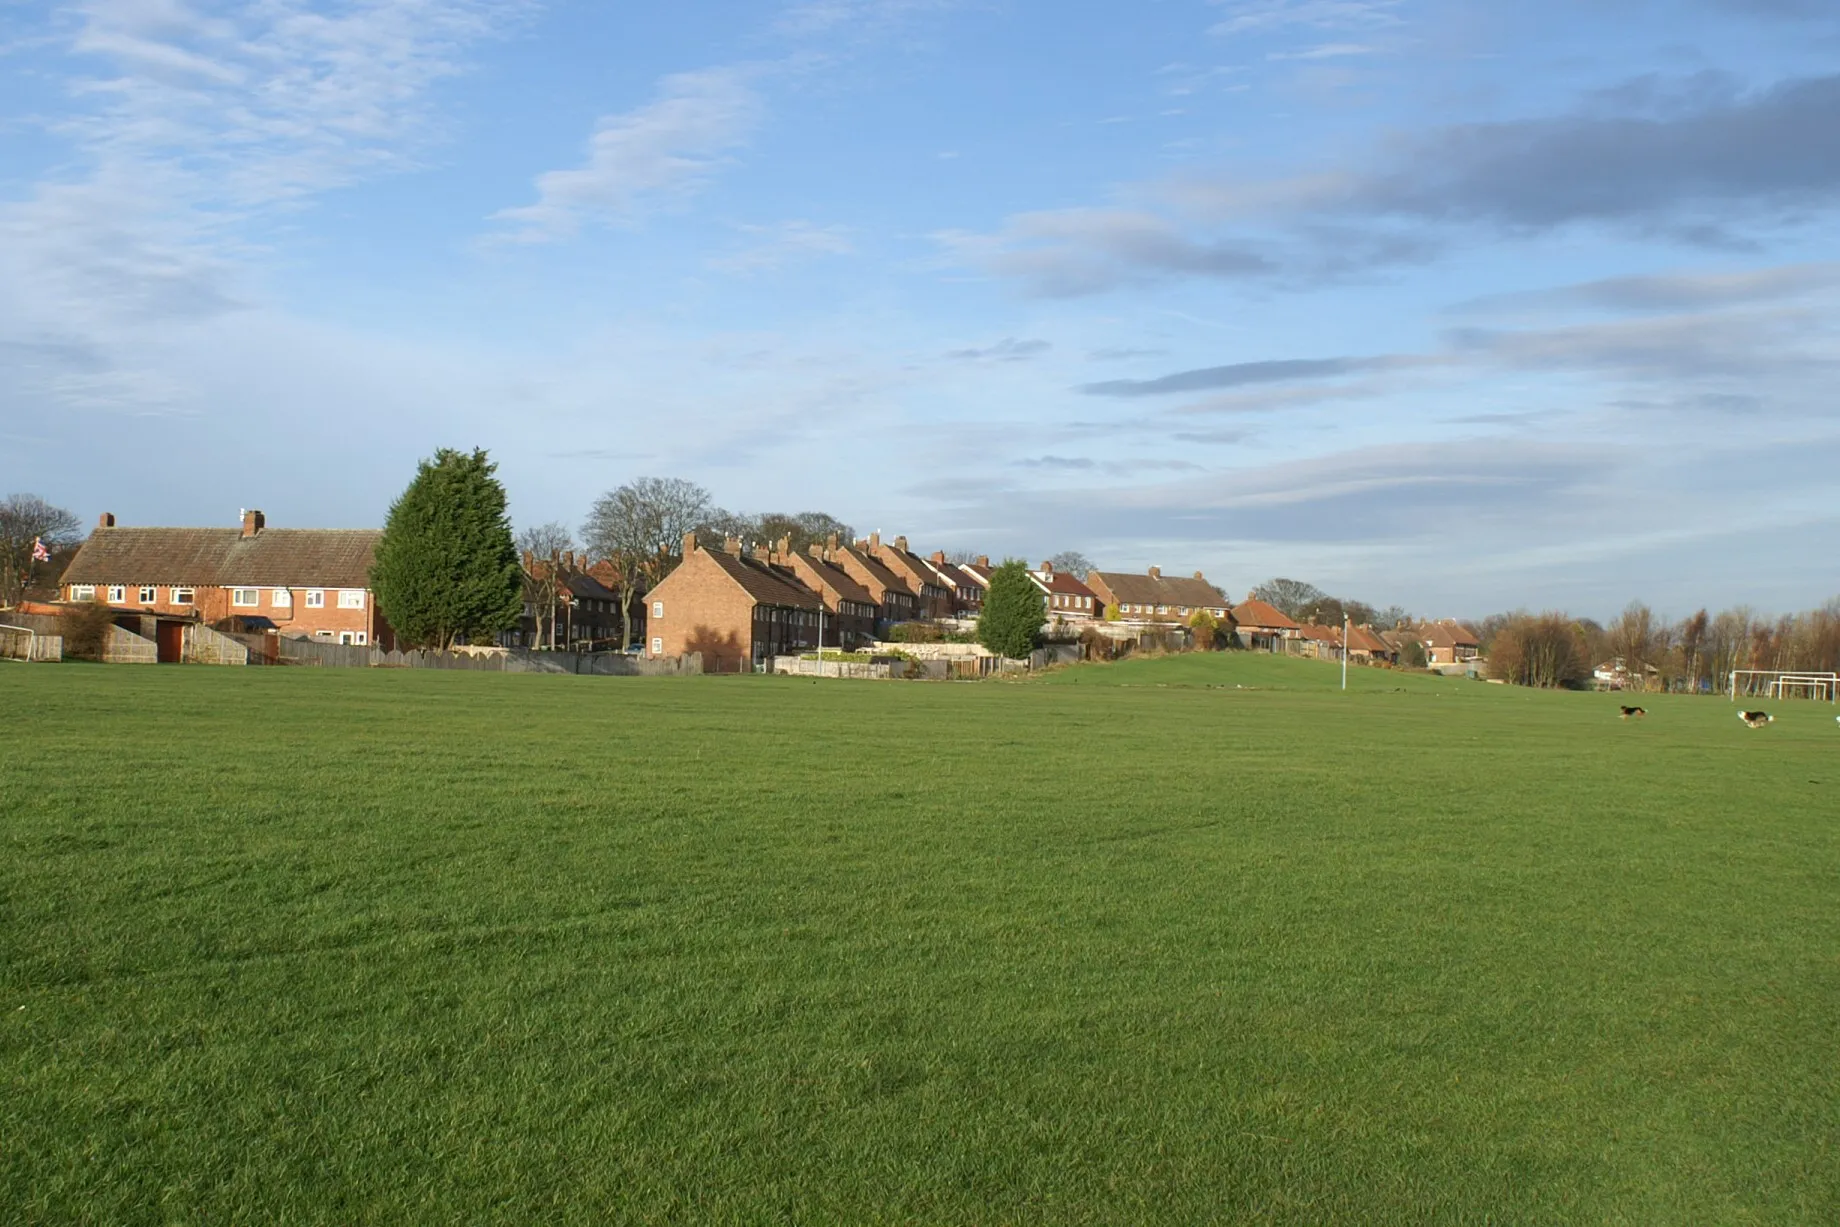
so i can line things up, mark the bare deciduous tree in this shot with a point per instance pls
(1290, 597)
(544, 545)
(640, 527)
(1548, 650)
(27, 520)
(1073, 563)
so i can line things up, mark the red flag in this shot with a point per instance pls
(39, 552)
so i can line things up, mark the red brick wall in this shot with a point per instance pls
(705, 611)
(212, 605)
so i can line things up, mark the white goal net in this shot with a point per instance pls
(1784, 684)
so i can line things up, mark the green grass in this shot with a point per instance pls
(334, 946)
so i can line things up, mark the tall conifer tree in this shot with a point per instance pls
(447, 567)
(1010, 624)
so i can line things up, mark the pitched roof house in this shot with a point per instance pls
(1364, 641)
(1448, 642)
(967, 590)
(935, 599)
(737, 611)
(1065, 597)
(850, 609)
(894, 601)
(302, 582)
(1322, 642)
(1261, 627)
(579, 611)
(1155, 597)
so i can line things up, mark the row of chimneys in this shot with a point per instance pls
(253, 521)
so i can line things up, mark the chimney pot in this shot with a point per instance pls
(900, 543)
(1156, 573)
(107, 520)
(732, 545)
(1201, 577)
(253, 523)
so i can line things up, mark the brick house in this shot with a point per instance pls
(580, 613)
(1064, 597)
(935, 599)
(1448, 642)
(1154, 597)
(1261, 627)
(966, 589)
(894, 601)
(849, 609)
(738, 611)
(1365, 644)
(309, 583)
(1322, 642)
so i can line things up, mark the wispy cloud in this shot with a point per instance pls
(1009, 349)
(646, 158)
(1265, 16)
(1667, 291)
(777, 246)
(1325, 51)
(1241, 374)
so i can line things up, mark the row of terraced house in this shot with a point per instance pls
(737, 606)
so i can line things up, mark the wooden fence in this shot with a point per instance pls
(348, 656)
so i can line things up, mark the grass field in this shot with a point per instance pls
(1177, 941)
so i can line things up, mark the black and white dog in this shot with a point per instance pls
(1637, 712)
(1755, 719)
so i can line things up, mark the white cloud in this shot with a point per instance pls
(664, 150)
(1264, 16)
(786, 243)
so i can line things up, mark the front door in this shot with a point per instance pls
(169, 637)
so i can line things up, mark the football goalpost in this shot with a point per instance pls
(1785, 684)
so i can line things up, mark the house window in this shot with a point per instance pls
(83, 592)
(350, 638)
(322, 635)
(315, 599)
(149, 594)
(657, 647)
(281, 598)
(245, 598)
(657, 609)
(117, 594)
(182, 596)
(351, 598)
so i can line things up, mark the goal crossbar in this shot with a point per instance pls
(1786, 683)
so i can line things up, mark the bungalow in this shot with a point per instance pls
(1063, 597)
(1261, 627)
(310, 583)
(1322, 642)
(737, 611)
(1448, 642)
(1153, 597)
(1365, 644)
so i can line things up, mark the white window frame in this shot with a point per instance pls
(657, 646)
(118, 594)
(657, 609)
(281, 598)
(184, 596)
(254, 595)
(83, 592)
(316, 598)
(149, 594)
(351, 598)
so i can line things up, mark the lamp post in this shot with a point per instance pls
(1345, 628)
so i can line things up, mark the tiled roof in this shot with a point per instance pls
(899, 560)
(953, 576)
(1061, 581)
(589, 588)
(763, 583)
(1363, 639)
(874, 566)
(1250, 612)
(834, 577)
(1131, 589)
(223, 557)
(1448, 634)
(1321, 634)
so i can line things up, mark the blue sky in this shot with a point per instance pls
(1460, 306)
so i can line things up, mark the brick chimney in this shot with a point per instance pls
(1047, 568)
(107, 520)
(938, 558)
(984, 561)
(875, 539)
(732, 545)
(1201, 577)
(253, 523)
(900, 543)
(830, 542)
(762, 554)
(1156, 573)
(530, 561)
(689, 544)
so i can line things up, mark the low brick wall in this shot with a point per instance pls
(128, 648)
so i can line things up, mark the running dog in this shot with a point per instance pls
(1755, 719)
(1637, 712)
